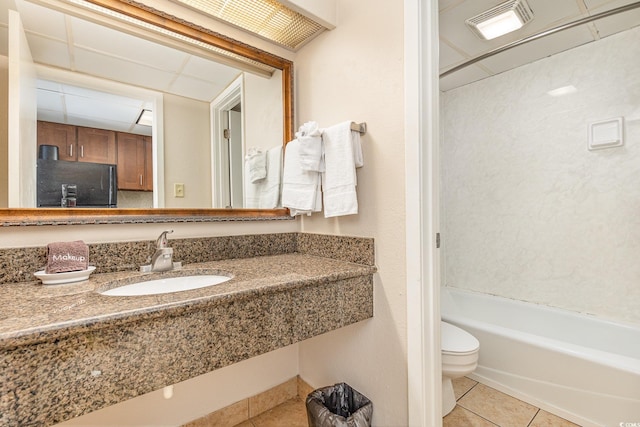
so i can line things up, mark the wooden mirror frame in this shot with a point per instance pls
(73, 216)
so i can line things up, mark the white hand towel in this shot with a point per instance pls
(342, 153)
(256, 162)
(265, 193)
(300, 188)
(310, 137)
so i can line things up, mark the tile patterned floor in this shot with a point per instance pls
(478, 406)
(482, 406)
(291, 413)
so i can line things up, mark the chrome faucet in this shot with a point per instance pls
(161, 259)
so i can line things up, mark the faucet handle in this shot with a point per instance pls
(162, 241)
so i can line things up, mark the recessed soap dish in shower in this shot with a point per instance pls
(606, 134)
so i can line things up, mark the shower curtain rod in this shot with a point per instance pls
(541, 34)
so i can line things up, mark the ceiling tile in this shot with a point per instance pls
(121, 71)
(606, 4)
(126, 47)
(538, 49)
(616, 23)
(79, 106)
(141, 130)
(196, 88)
(449, 56)
(446, 4)
(102, 123)
(102, 97)
(49, 85)
(40, 20)
(48, 51)
(204, 69)
(48, 100)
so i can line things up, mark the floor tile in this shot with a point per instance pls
(273, 397)
(545, 419)
(497, 407)
(303, 389)
(461, 417)
(462, 385)
(292, 413)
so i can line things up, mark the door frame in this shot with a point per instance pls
(424, 367)
(229, 98)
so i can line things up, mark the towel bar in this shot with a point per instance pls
(359, 127)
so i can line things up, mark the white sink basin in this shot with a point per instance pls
(165, 286)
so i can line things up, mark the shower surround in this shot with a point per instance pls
(527, 211)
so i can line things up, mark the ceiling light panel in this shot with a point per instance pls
(266, 18)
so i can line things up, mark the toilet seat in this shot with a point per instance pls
(455, 341)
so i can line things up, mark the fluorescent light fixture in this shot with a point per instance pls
(269, 19)
(564, 90)
(500, 20)
(145, 118)
(500, 25)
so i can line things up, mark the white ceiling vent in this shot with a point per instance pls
(502, 19)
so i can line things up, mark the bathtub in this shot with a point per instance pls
(579, 367)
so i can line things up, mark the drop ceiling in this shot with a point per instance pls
(458, 43)
(65, 42)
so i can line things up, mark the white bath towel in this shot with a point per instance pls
(310, 137)
(342, 154)
(265, 193)
(300, 188)
(256, 163)
(270, 191)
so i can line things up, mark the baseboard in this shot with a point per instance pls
(250, 407)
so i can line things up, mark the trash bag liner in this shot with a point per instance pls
(338, 406)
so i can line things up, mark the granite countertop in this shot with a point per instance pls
(32, 312)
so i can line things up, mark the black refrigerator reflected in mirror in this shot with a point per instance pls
(95, 184)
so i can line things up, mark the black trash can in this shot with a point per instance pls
(338, 405)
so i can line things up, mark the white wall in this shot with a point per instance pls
(263, 113)
(355, 72)
(187, 152)
(528, 212)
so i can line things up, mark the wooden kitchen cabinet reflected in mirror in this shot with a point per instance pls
(135, 169)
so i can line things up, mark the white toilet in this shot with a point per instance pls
(459, 358)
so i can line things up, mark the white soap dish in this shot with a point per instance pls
(61, 278)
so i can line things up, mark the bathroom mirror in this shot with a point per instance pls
(251, 65)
